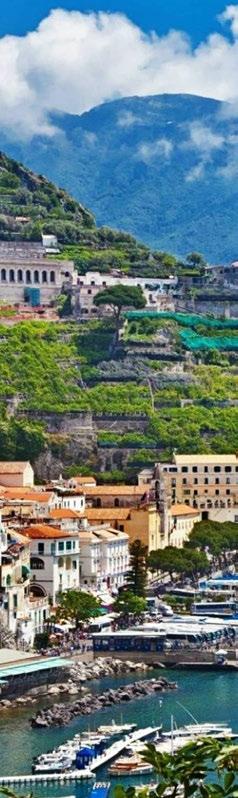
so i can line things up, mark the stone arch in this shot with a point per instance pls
(20, 276)
(3, 275)
(36, 276)
(37, 590)
(28, 276)
(44, 276)
(52, 277)
(11, 275)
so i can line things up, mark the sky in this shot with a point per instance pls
(72, 57)
(196, 17)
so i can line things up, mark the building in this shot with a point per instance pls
(69, 499)
(114, 495)
(16, 474)
(205, 481)
(21, 503)
(155, 290)
(20, 613)
(27, 276)
(54, 560)
(181, 520)
(138, 522)
(104, 558)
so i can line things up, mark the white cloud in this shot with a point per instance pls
(196, 173)
(128, 119)
(203, 139)
(150, 150)
(74, 61)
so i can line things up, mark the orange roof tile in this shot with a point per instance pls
(183, 509)
(44, 531)
(115, 490)
(63, 512)
(24, 494)
(83, 480)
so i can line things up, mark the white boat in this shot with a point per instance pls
(115, 728)
(129, 766)
(60, 765)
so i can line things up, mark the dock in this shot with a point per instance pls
(39, 778)
(118, 747)
(99, 791)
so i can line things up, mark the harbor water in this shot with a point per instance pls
(208, 696)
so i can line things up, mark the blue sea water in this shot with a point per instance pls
(208, 696)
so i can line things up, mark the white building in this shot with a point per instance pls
(156, 290)
(181, 520)
(70, 499)
(104, 557)
(54, 560)
(20, 613)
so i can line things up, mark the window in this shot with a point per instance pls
(28, 276)
(206, 481)
(217, 480)
(8, 580)
(205, 469)
(228, 469)
(74, 564)
(68, 545)
(20, 276)
(61, 545)
(195, 492)
(73, 544)
(196, 480)
(15, 601)
(236, 519)
(52, 277)
(3, 275)
(184, 480)
(41, 548)
(44, 276)
(194, 469)
(228, 492)
(36, 276)
(184, 469)
(11, 276)
(52, 548)
(37, 564)
(61, 562)
(228, 480)
(217, 492)
(217, 469)
(89, 291)
(92, 282)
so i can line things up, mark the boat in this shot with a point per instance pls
(53, 765)
(116, 729)
(129, 766)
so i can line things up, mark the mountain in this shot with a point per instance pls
(162, 167)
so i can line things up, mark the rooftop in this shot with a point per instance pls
(44, 531)
(64, 512)
(15, 467)
(183, 509)
(205, 459)
(107, 513)
(24, 494)
(115, 490)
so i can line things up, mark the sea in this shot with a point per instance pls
(208, 696)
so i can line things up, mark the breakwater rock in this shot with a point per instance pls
(62, 714)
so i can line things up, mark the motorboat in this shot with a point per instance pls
(129, 766)
(53, 765)
(115, 729)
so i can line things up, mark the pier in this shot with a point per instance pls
(84, 773)
(118, 747)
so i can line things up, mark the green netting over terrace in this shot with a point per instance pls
(194, 338)
(185, 319)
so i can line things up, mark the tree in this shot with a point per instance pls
(195, 259)
(186, 561)
(119, 297)
(129, 604)
(205, 768)
(77, 606)
(137, 574)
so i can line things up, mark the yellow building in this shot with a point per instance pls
(138, 522)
